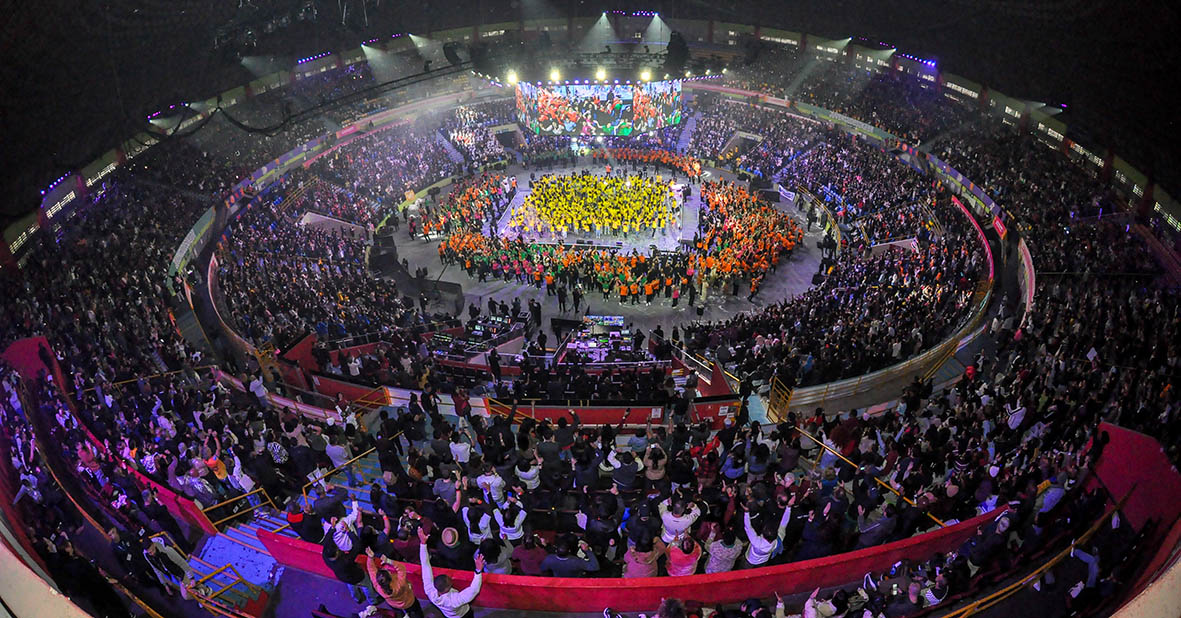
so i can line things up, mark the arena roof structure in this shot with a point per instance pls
(79, 77)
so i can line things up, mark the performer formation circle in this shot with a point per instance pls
(739, 240)
(604, 205)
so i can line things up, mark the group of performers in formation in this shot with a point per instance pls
(602, 204)
(739, 239)
(685, 164)
(472, 202)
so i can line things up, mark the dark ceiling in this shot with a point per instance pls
(78, 76)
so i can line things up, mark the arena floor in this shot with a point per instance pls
(791, 278)
(667, 240)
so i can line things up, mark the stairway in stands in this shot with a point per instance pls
(803, 152)
(242, 537)
(228, 579)
(454, 154)
(687, 132)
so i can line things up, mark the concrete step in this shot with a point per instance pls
(452, 152)
(687, 131)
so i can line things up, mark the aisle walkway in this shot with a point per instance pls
(687, 132)
(452, 153)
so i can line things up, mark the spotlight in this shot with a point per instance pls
(554, 75)
(645, 75)
(512, 77)
(688, 73)
(600, 74)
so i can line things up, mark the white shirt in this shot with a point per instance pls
(256, 387)
(675, 527)
(452, 603)
(337, 453)
(1016, 417)
(760, 549)
(483, 529)
(493, 484)
(530, 478)
(512, 530)
(344, 526)
(461, 452)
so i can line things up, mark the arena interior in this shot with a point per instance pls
(354, 308)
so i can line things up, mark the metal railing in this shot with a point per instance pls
(928, 362)
(234, 514)
(170, 541)
(326, 475)
(213, 601)
(779, 401)
(888, 486)
(997, 597)
(154, 376)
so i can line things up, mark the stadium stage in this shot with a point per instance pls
(793, 276)
(676, 233)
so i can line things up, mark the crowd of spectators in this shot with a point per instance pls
(467, 126)
(855, 179)
(785, 137)
(1017, 430)
(907, 107)
(1067, 214)
(873, 309)
(715, 126)
(383, 166)
(181, 164)
(283, 279)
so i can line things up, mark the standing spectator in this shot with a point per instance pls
(683, 557)
(564, 562)
(389, 579)
(452, 603)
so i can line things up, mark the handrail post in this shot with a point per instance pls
(880, 481)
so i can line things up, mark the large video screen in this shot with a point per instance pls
(598, 109)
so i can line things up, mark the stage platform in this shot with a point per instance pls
(790, 279)
(669, 239)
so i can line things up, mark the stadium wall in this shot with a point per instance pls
(553, 594)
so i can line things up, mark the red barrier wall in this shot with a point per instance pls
(717, 384)
(351, 392)
(592, 594)
(505, 370)
(22, 356)
(301, 353)
(603, 415)
(277, 400)
(367, 348)
(1135, 459)
(179, 506)
(294, 375)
